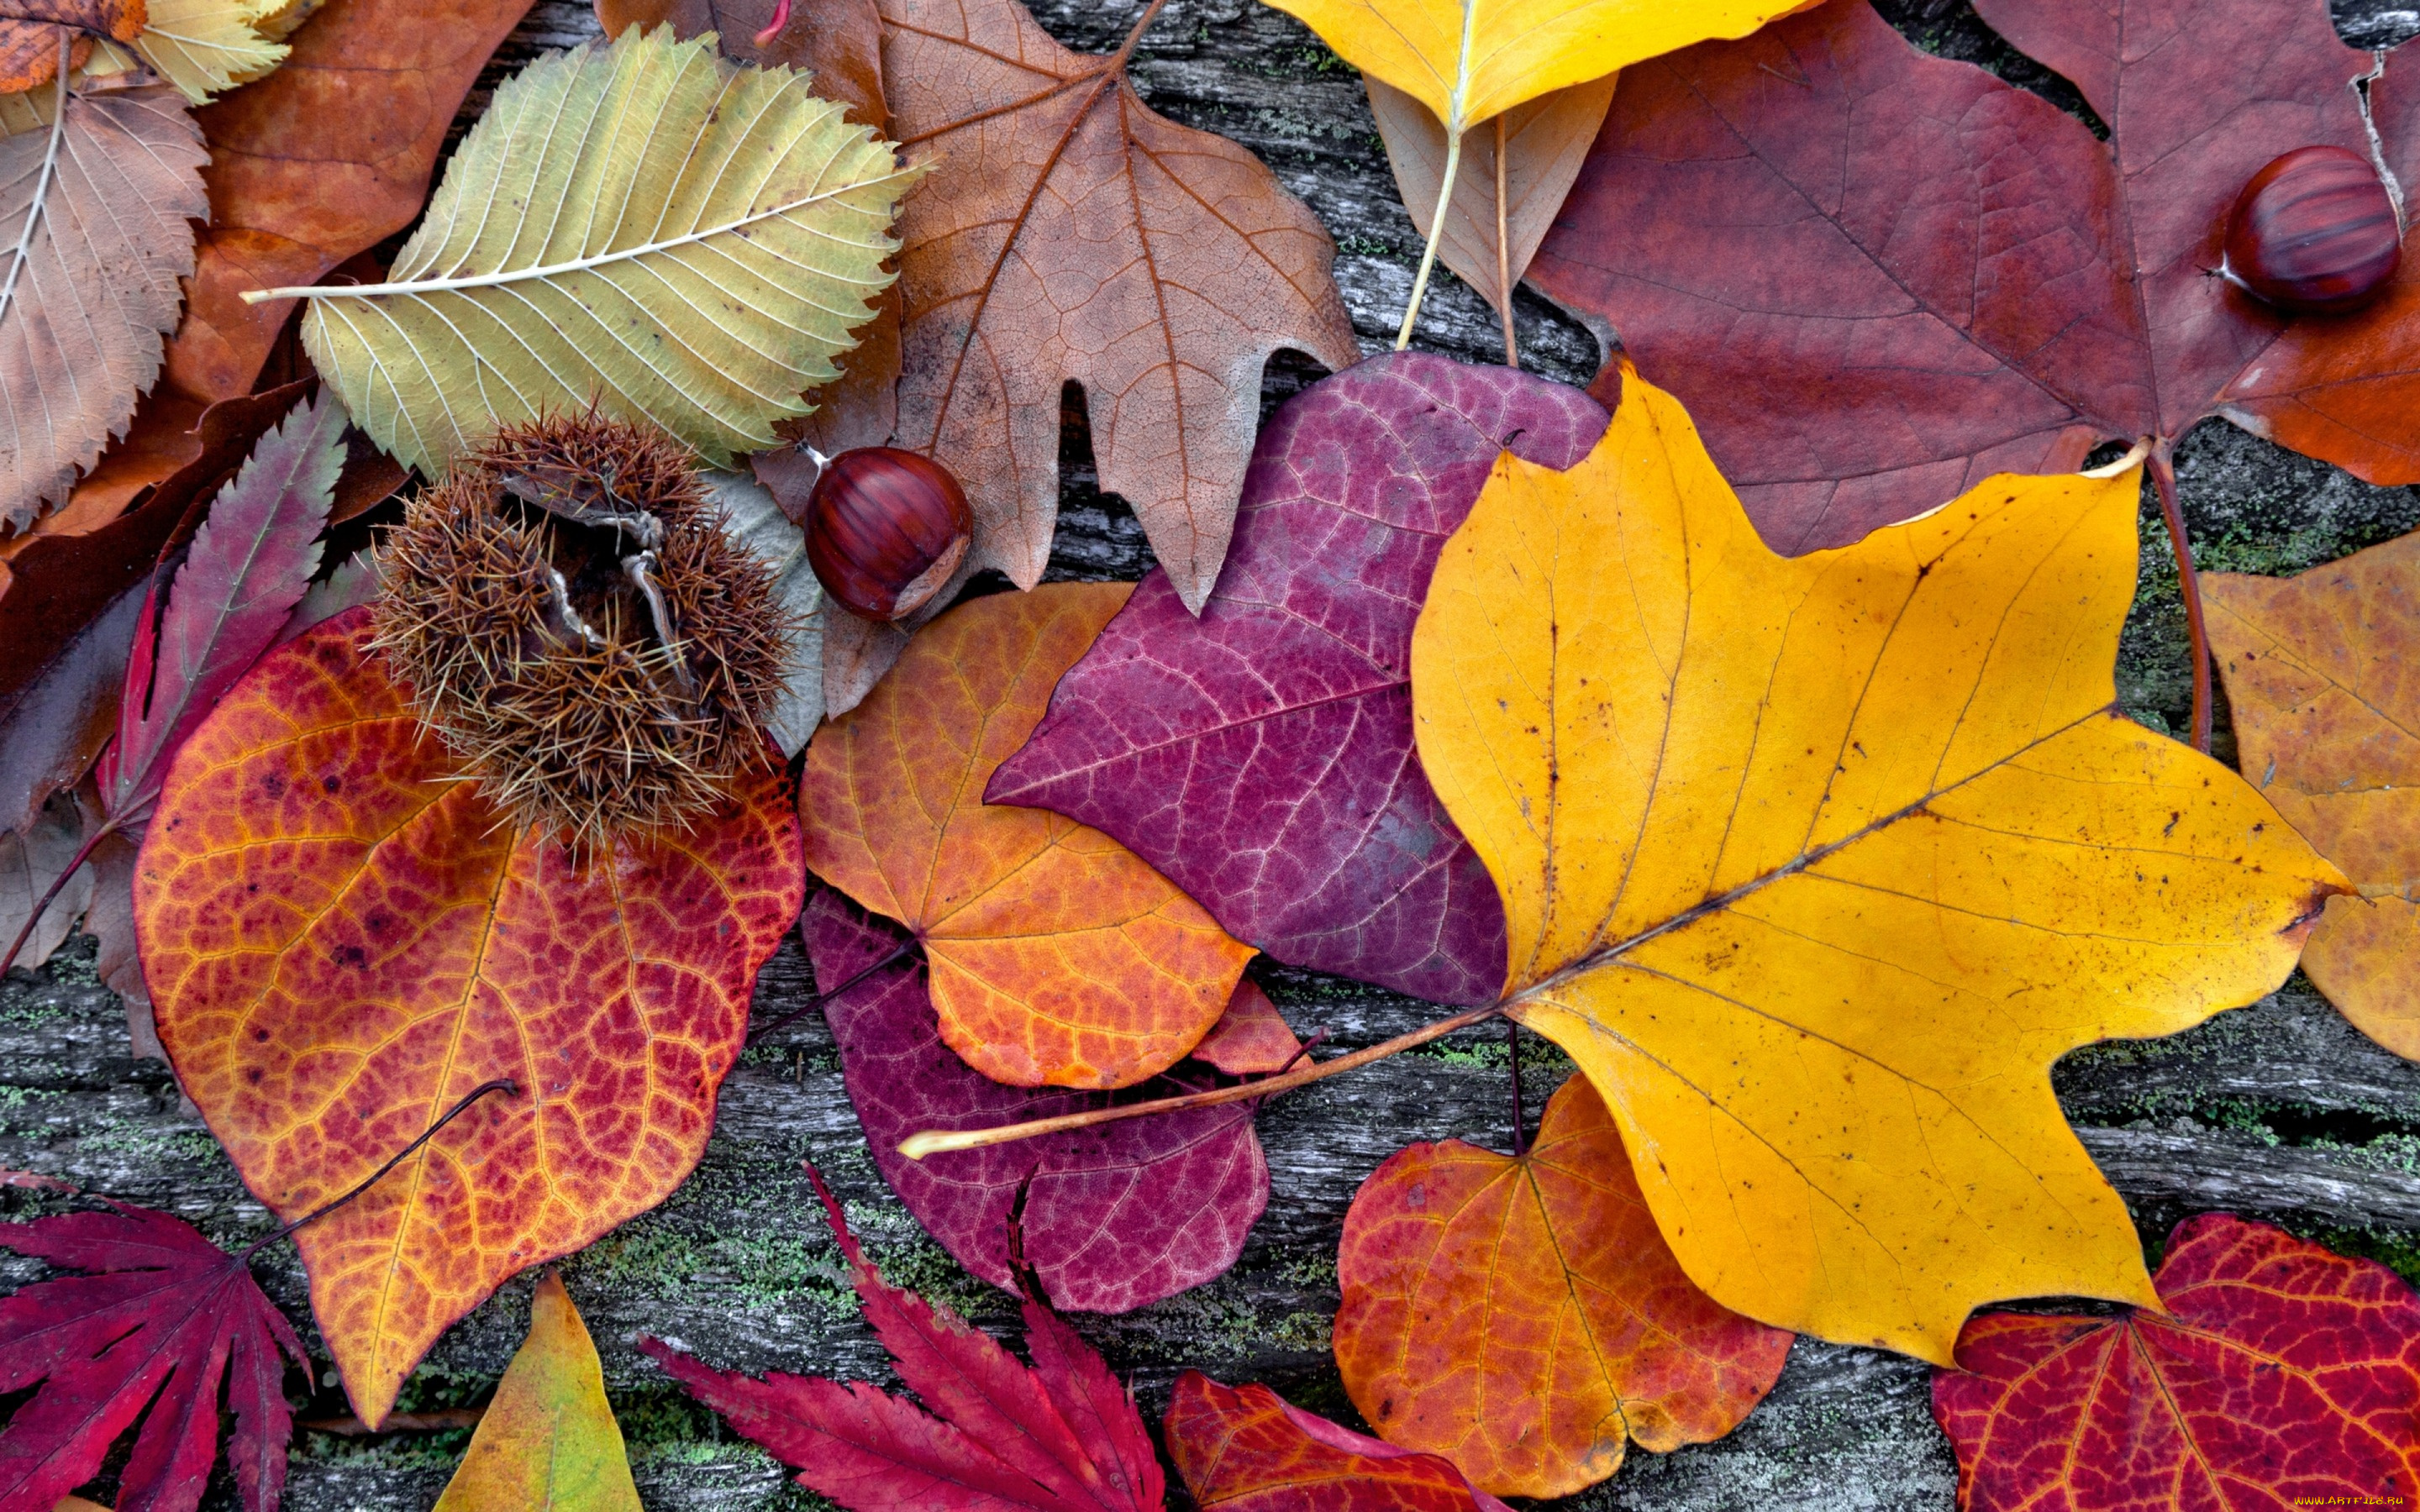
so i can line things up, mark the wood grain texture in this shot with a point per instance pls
(2281, 1111)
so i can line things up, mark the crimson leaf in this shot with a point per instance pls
(166, 1317)
(1261, 756)
(1059, 1436)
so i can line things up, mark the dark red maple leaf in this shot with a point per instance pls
(1874, 275)
(1061, 1436)
(2281, 1375)
(165, 1319)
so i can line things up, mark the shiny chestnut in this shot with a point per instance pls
(886, 529)
(2314, 232)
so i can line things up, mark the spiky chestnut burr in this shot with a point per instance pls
(569, 618)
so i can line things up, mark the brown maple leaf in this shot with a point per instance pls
(33, 31)
(1072, 235)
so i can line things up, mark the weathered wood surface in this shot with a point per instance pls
(2279, 1110)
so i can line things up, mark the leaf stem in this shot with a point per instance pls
(503, 1084)
(34, 211)
(939, 1141)
(821, 999)
(1504, 278)
(1520, 1122)
(58, 885)
(1436, 233)
(2163, 482)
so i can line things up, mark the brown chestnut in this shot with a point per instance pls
(2314, 232)
(886, 529)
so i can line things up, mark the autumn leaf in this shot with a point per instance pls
(164, 1320)
(96, 204)
(1875, 276)
(339, 942)
(2272, 1373)
(754, 518)
(34, 33)
(2316, 672)
(318, 162)
(548, 1441)
(1262, 756)
(1060, 1436)
(246, 569)
(1505, 196)
(33, 857)
(244, 573)
(1815, 865)
(1057, 956)
(840, 43)
(490, 319)
(1072, 236)
(1251, 1038)
(206, 46)
(1520, 1316)
(1110, 1221)
(55, 583)
(1470, 60)
(1248, 1450)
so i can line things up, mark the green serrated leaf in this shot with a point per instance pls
(648, 228)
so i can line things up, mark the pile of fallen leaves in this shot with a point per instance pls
(442, 684)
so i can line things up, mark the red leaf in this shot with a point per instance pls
(2284, 1375)
(247, 568)
(1250, 1450)
(1060, 1437)
(166, 1317)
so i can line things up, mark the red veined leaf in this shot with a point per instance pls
(1060, 1436)
(2283, 1375)
(1247, 1449)
(247, 568)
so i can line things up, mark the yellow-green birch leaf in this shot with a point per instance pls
(647, 228)
(549, 1442)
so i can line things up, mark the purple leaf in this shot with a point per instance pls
(1116, 1217)
(1261, 757)
(246, 570)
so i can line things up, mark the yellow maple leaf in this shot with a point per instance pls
(1816, 864)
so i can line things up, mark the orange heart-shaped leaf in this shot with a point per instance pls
(340, 942)
(1057, 956)
(1521, 1316)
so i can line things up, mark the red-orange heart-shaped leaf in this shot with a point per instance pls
(1522, 1317)
(340, 942)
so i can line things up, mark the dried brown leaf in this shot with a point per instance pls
(1074, 236)
(1490, 237)
(96, 283)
